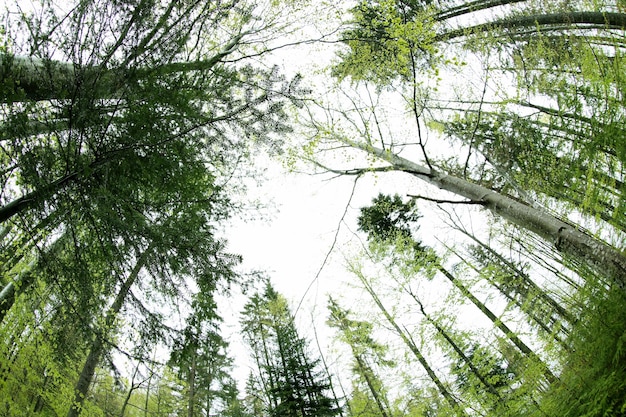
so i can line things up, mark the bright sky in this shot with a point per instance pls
(293, 246)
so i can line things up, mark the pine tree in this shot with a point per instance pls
(291, 381)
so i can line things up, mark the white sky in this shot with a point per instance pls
(292, 247)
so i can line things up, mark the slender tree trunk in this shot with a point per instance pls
(566, 238)
(149, 385)
(41, 402)
(23, 281)
(97, 345)
(366, 373)
(511, 335)
(490, 388)
(413, 347)
(550, 327)
(46, 191)
(340, 321)
(132, 388)
(327, 371)
(30, 240)
(191, 382)
(534, 288)
(34, 197)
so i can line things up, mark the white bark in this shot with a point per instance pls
(566, 238)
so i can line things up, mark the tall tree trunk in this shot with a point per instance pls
(10, 291)
(98, 344)
(339, 320)
(511, 335)
(46, 191)
(471, 7)
(191, 382)
(534, 288)
(327, 372)
(53, 80)
(571, 20)
(366, 372)
(413, 347)
(566, 238)
(490, 388)
(552, 327)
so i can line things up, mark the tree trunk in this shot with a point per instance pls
(565, 237)
(97, 345)
(191, 382)
(511, 335)
(572, 20)
(413, 347)
(53, 80)
(44, 193)
(26, 277)
(471, 7)
(366, 373)
(132, 388)
(490, 388)
(9, 292)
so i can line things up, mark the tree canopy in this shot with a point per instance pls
(482, 245)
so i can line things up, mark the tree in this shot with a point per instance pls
(291, 383)
(400, 45)
(391, 39)
(390, 233)
(124, 131)
(566, 238)
(78, 147)
(410, 343)
(200, 357)
(367, 355)
(97, 347)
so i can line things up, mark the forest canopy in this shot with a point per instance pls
(482, 247)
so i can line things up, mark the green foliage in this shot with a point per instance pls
(593, 381)
(287, 379)
(387, 217)
(385, 40)
(200, 357)
(36, 373)
(369, 360)
(124, 129)
(553, 142)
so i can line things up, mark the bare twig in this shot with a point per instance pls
(330, 250)
(438, 201)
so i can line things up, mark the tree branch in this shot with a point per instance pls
(438, 201)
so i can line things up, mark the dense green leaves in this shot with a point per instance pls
(289, 381)
(124, 133)
(126, 128)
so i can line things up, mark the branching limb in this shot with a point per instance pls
(352, 171)
(332, 247)
(438, 201)
(417, 113)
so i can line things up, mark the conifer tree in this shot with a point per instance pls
(291, 381)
